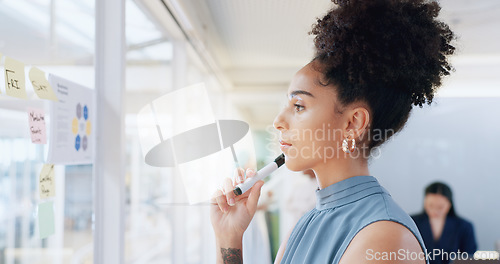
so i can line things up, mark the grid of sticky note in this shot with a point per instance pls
(15, 86)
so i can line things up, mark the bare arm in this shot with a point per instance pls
(230, 252)
(384, 242)
(230, 216)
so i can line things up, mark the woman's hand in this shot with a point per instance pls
(231, 214)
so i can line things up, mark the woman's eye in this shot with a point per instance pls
(298, 107)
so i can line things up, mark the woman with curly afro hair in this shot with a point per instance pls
(374, 61)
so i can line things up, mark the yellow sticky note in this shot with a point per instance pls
(41, 85)
(47, 183)
(14, 78)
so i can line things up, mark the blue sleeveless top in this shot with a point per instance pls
(342, 210)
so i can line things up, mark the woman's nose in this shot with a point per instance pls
(279, 122)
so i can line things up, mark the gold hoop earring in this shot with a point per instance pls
(345, 145)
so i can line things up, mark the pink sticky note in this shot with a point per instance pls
(37, 126)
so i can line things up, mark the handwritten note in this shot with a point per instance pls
(37, 126)
(47, 183)
(15, 84)
(46, 225)
(41, 85)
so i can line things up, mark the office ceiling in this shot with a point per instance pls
(274, 33)
(257, 44)
(260, 44)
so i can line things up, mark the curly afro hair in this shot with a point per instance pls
(390, 54)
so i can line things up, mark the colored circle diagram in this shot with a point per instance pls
(81, 127)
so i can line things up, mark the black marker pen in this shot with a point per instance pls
(259, 175)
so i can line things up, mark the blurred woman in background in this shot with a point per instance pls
(440, 226)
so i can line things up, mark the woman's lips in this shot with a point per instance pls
(284, 145)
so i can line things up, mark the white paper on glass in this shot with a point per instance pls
(71, 125)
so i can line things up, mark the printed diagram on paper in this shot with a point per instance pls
(71, 124)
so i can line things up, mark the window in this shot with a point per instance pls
(58, 38)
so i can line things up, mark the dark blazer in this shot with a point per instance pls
(458, 235)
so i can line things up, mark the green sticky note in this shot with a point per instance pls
(46, 224)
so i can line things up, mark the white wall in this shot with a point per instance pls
(455, 141)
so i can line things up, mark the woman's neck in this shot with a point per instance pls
(437, 219)
(336, 170)
(437, 227)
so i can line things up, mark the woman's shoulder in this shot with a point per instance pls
(394, 212)
(382, 240)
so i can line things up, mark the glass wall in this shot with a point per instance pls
(58, 38)
(148, 72)
(161, 227)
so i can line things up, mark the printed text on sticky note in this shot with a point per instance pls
(47, 181)
(36, 118)
(40, 84)
(14, 78)
(46, 225)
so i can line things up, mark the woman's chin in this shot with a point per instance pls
(295, 164)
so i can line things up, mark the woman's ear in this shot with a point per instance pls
(358, 122)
